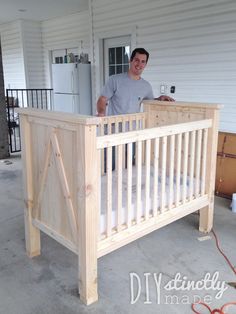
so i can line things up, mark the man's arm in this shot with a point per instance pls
(101, 106)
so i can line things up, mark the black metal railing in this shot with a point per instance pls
(33, 98)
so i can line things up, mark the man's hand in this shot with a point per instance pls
(101, 106)
(165, 98)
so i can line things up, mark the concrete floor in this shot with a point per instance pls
(48, 283)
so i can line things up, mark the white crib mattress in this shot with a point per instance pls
(133, 208)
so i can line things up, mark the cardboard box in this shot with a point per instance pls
(226, 165)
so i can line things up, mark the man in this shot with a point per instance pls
(124, 92)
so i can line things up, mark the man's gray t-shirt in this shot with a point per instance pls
(125, 94)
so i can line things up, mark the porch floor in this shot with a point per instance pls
(48, 283)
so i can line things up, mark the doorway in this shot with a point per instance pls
(116, 55)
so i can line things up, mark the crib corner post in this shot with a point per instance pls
(207, 213)
(32, 234)
(206, 218)
(87, 213)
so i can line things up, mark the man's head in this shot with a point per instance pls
(138, 61)
(141, 51)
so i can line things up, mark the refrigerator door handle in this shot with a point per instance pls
(72, 82)
(73, 104)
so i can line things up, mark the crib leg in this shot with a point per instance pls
(32, 235)
(206, 218)
(87, 284)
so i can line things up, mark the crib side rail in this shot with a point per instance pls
(172, 175)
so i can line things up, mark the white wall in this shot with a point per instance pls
(191, 43)
(65, 32)
(33, 54)
(22, 54)
(12, 55)
(26, 47)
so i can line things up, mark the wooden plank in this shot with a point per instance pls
(142, 135)
(99, 176)
(64, 183)
(171, 171)
(109, 191)
(204, 161)
(185, 166)
(43, 179)
(32, 233)
(119, 187)
(54, 115)
(87, 204)
(138, 180)
(129, 185)
(139, 230)
(102, 151)
(198, 161)
(147, 178)
(191, 162)
(178, 168)
(206, 214)
(163, 173)
(156, 176)
(55, 235)
(179, 104)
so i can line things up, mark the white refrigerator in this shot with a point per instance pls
(72, 88)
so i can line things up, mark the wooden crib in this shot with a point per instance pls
(88, 186)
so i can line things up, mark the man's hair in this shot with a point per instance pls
(142, 51)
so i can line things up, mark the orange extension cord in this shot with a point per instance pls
(222, 309)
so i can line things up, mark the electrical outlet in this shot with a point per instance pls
(163, 88)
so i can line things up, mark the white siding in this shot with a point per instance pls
(71, 31)
(33, 54)
(192, 46)
(12, 55)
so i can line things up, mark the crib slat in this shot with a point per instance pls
(185, 166)
(123, 130)
(171, 170)
(129, 184)
(163, 173)
(198, 161)
(109, 190)
(147, 177)
(178, 168)
(137, 123)
(139, 179)
(102, 152)
(119, 187)
(99, 189)
(116, 130)
(204, 159)
(130, 124)
(191, 166)
(156, 176)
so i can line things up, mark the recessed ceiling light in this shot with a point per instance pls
(22, 10)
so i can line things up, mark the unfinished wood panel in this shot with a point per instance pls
(87, 198)
(32, 234)
(206, 214)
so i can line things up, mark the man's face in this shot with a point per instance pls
(138, 64)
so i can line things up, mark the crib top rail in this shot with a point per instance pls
(140, 135)
(59, 116)
(182, 104)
